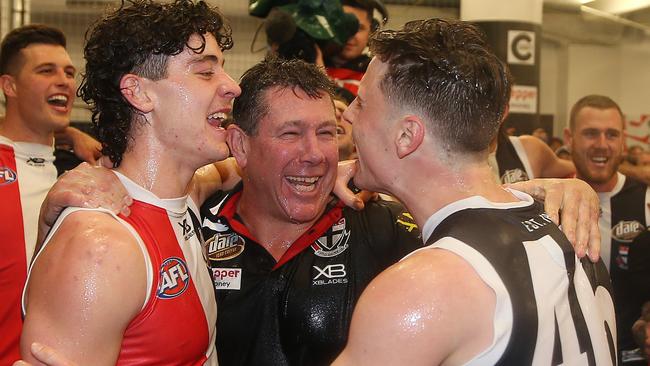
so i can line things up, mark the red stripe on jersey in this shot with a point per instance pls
(172, 328)
(349, 79)
(321, 226)
(13, 262)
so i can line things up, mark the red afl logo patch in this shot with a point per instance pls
(7, 176)
(174, 278)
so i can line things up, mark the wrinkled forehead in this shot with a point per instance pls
(294, 104)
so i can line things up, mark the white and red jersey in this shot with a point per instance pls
(176, 325)
(26, 174)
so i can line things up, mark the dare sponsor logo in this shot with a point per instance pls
(514, 176)
(224, 246)
(7, 176)
(334, 242)
(174, 278)
(227, 278)
(627, 231)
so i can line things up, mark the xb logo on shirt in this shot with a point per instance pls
(188, 231)
(331, 274)
(174, 278)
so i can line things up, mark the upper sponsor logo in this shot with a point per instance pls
(223, 246)
(627, 231)
(36, 161)
(174, 278)
(334, 242)
(7, 176)
(514, 176)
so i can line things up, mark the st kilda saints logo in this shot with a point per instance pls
(627, 231)
(174, 278)
(334, 242)
(7, 176)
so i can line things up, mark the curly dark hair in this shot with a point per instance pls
(445, 70)
(22, 37)
(251, 107)
(138, 38)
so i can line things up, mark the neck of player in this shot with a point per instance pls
(441, 184)
(16, 130)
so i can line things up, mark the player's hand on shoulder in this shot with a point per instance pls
(85, 186)
(573, 204)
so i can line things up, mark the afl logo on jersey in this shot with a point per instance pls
(174, 278)
(334, 242)
(627, 231)
(7, 176)
(224, 246)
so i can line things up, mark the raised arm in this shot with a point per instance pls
(85, 287)
(544, 162)
(409, 315)
(85, 146)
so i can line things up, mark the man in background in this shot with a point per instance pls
(38, 83)
(348, 66)
(597, 141)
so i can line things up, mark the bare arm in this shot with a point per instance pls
(85, 146)
(222, 175)
(45, 355)
(86, 286)
(84, 186)
(408, 315)
(641, 173)
(544, 162)
(573, 204)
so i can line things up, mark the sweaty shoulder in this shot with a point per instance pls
(91, 242)
(96, 268)
(418, 301)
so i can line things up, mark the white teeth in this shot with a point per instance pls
(58, 97)
(599, 159)
(303, 180)
(218, 115)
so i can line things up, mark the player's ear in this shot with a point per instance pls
(567, 136)
(134, 90)
(238, 141)
(8, 85)
(410, 134)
